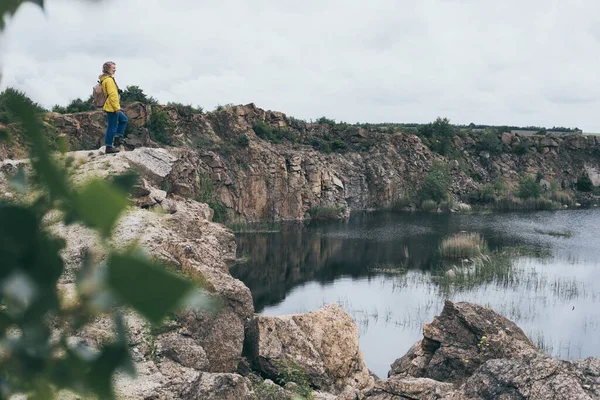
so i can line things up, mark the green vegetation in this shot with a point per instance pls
(135, 93)
(327, 212)
(463, 245)
(206, 194)
(160, 125)
(436, 183)
(429, 205)
(489, 142)
(185, 110)
(272, 134)
(37, 360)
(439, 134)
(291, 372)
(529, 188)
(325, 121)
(7, 115)
(584, 183)
(75, 106)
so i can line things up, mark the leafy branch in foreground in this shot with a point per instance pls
(36, 359)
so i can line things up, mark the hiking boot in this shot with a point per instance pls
(118, 141)
(111, 150)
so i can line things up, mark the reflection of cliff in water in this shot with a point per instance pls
(277, 262)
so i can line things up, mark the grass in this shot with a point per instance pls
(516, 204)
(253, 227)
(463, 245)
(388, 268)
(565, 234)
(429, 205)
(327, 213)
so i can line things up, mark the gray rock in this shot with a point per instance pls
(183, 350)
(322, 346)
(210, 386)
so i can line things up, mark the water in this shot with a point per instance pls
(553, 292)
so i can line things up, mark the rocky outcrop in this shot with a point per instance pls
(471, 353)
(322, 345)
(256, 179)
(181, 234)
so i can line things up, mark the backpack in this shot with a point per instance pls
(98, 95)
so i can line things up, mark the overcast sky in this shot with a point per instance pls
(521, 62)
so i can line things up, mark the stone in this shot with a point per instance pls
(323, 345)
(183, 350)
(210, 386)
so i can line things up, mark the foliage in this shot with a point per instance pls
(272, 134)
(440, 134)
(135, 93)
(76, 106)
(243, 141)
(159, 126)
(6, 113)
(206, 194)
(34, 324)
(584, 183)
(221, 107)
(325, 121)
(289, 371)
(436, 183)
(515, 204)
(529, 187)
(490, 142)
(185, 110)
(326, 212)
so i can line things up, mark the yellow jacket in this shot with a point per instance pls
(111, 91)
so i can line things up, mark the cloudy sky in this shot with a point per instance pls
(522, 62)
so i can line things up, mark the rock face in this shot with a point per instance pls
(180, 233)
(483, 356)
(322, 344)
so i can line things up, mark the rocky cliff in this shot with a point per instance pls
(467, 353)
(257, 165)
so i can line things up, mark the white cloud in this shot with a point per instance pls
(510, 62)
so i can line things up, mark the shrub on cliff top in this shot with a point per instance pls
(6, 113)
(135, 93)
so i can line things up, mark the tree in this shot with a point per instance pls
(436, 183)
(135, 93)
(441, 134)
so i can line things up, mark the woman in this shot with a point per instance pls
(115, 118)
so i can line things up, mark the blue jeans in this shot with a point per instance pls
(116, 126)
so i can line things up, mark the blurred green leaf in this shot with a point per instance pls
(149, 289)
(126, 181)
(99, 378)
(99, 205)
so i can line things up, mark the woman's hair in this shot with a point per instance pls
(106, 68)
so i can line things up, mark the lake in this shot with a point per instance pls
(386, 271)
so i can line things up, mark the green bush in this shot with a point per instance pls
(584, 183)
(327, 212)
(529, 188)
(272, 134)
(6, 113)
(436, 183)
(243, 141)
(159, 126)
(76, 106)
(439, 134)
(135, 93)
(325, 121)
(185, 110)
(490, 142)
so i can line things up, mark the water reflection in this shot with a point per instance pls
(553, 298)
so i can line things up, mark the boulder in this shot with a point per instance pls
(217, 387)
(462, 338)
(322, 346)
(484, 356)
